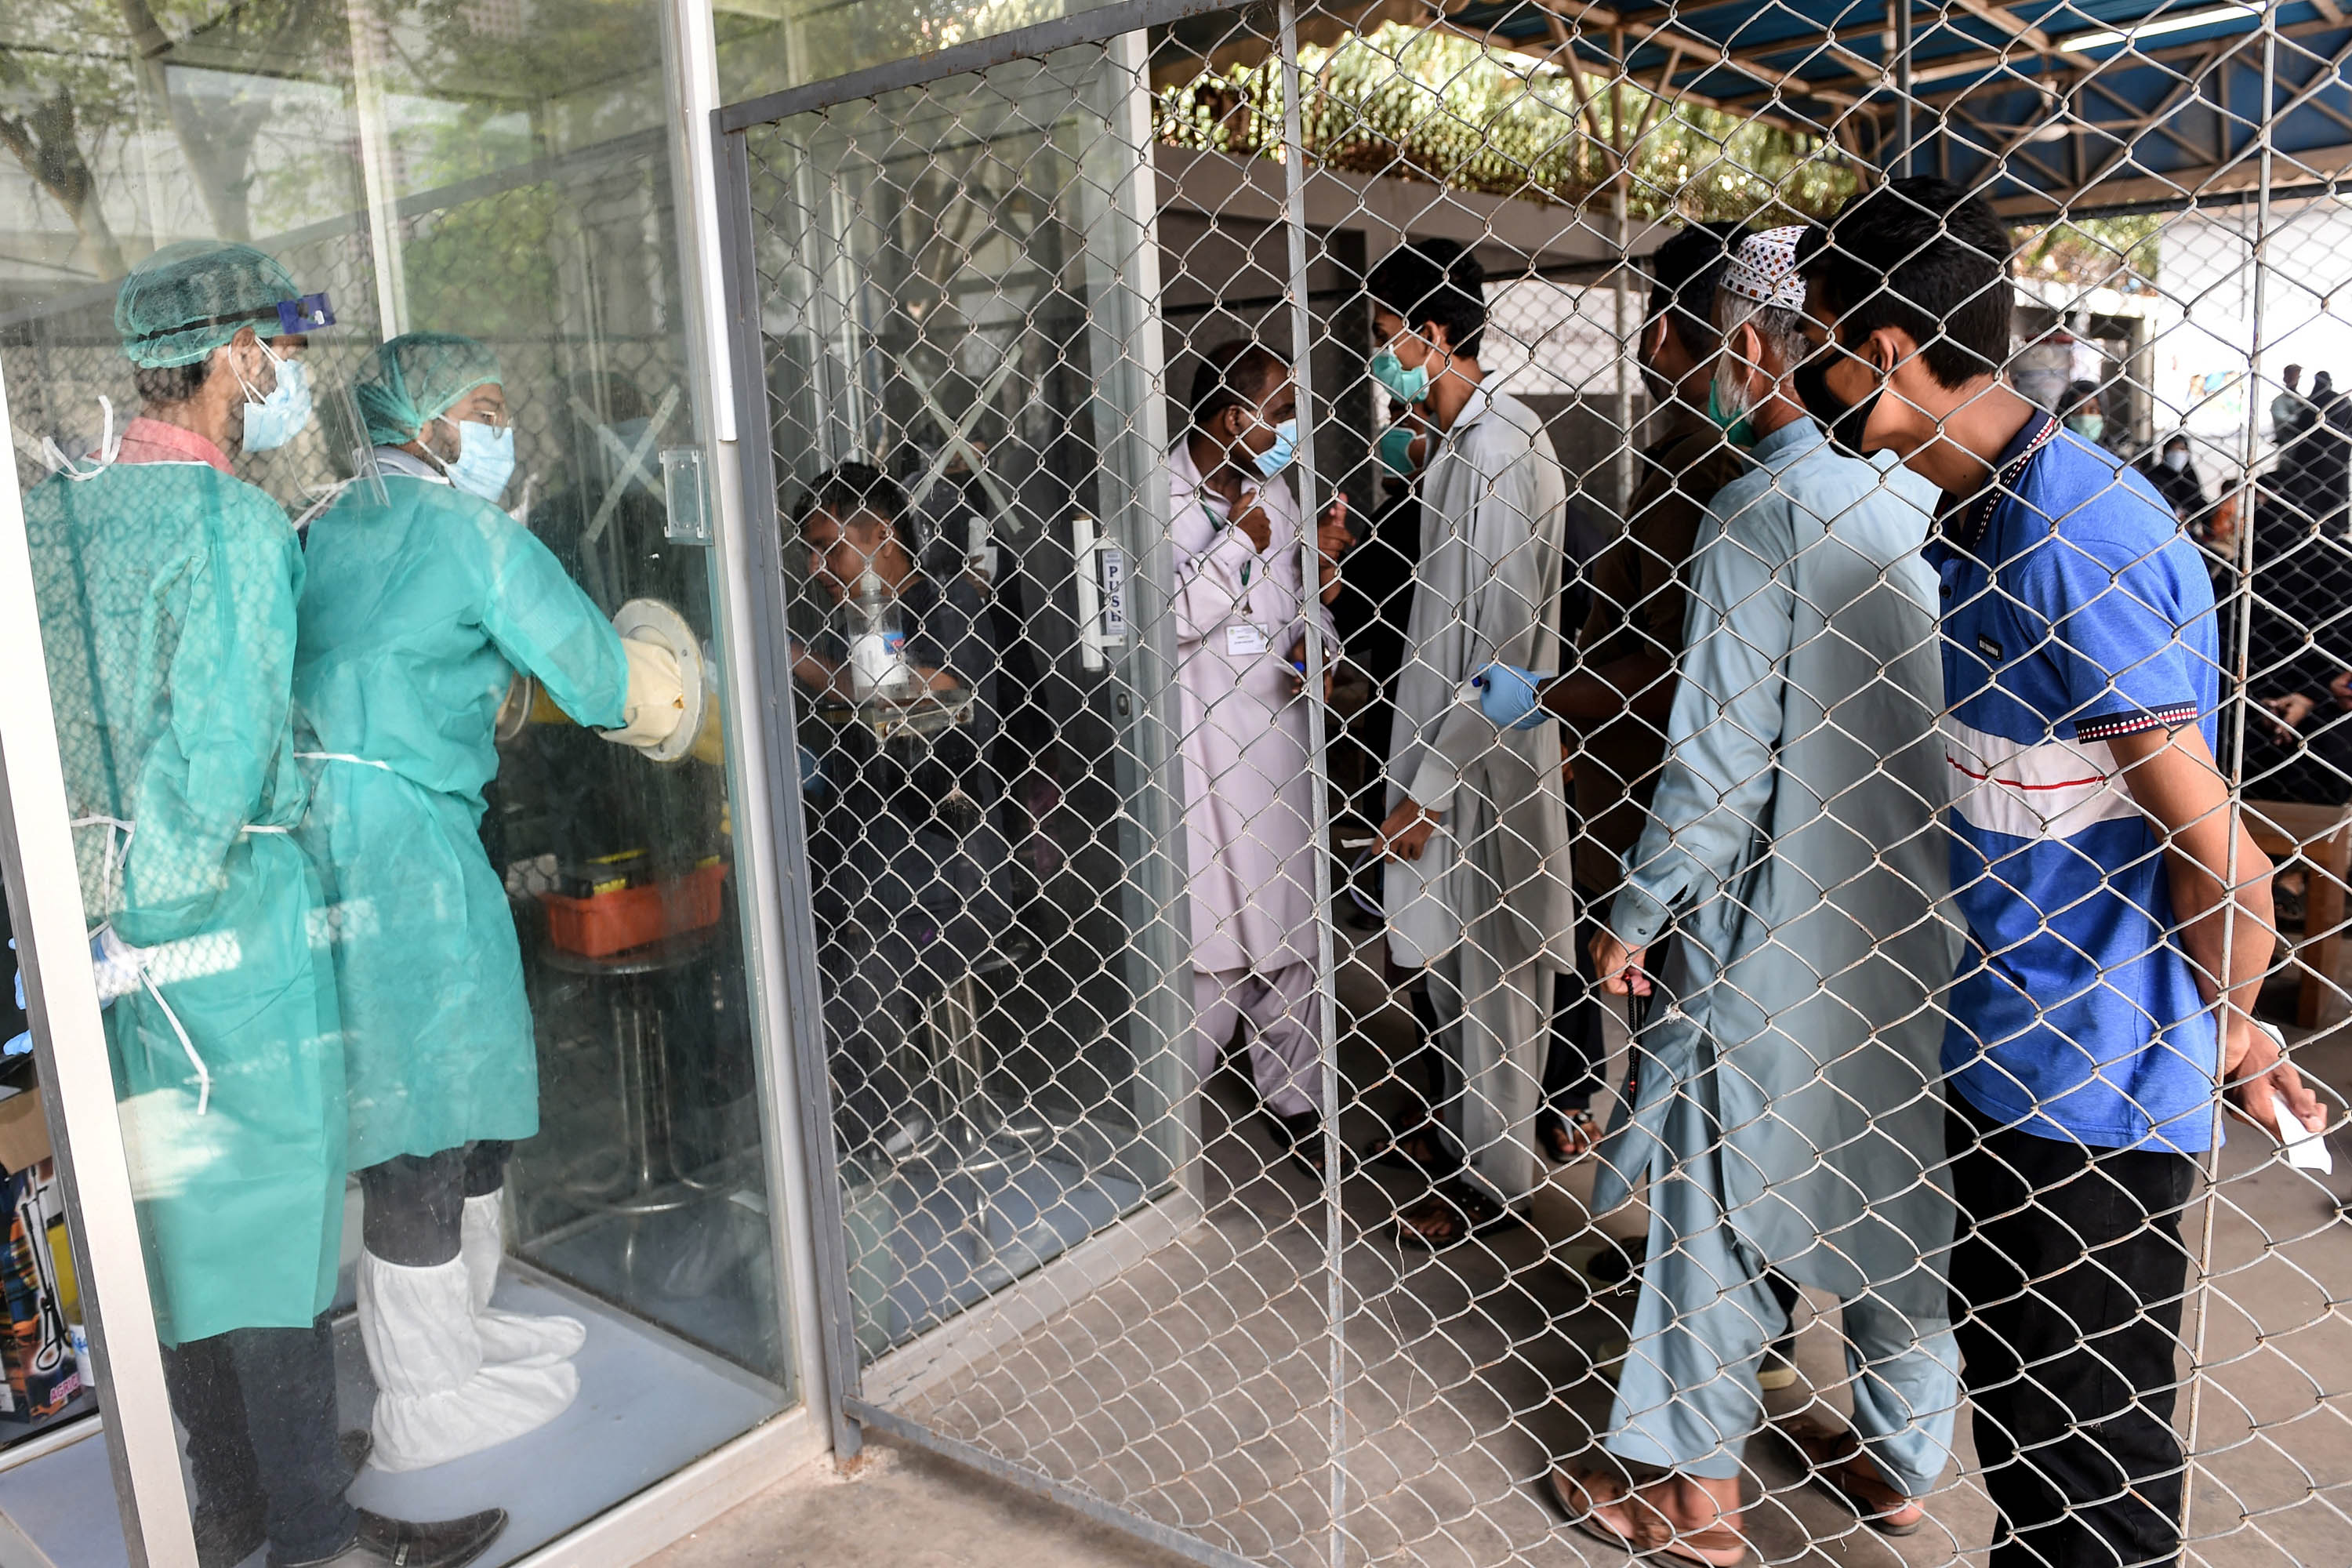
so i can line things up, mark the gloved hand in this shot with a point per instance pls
(1506, 695)
(710, 741)
(812, 779)
(656, 701)
(18, 1045)
(116, 964)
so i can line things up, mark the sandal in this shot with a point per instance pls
(1835, 1463)
(1449, 1215)
(1300, 1138)
(1580, 1495)
(1565, 1140)
(1615, 1262)
(1425, 1149)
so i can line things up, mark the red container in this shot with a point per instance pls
(607, 923)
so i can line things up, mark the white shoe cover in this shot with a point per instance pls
(436, 1398)
(508, 1336)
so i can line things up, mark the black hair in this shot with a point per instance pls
(163, 384)
(611, 397)
(2078, 393)
(1924, 256)
(1435, 281)
(1685, 273)
(841, 492)
(1231, 375)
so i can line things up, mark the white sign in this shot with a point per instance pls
(1113, 561)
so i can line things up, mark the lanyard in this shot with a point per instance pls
(1216, 522)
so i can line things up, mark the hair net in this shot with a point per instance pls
(419, 377)
(187, 300)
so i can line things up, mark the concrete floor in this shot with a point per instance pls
(904, 1509)
(1196, 1389)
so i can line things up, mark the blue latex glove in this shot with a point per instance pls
(812, 779)
(1506, 695)
(22, 1045)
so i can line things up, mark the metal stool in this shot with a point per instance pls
(650, 1180)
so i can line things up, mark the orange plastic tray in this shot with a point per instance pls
(632, 917)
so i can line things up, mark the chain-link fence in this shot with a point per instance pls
(1298, 1082)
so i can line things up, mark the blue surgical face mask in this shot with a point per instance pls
(1277, 458)
(1396, 450)
(485, 460)
(271, 422)
(2089, 427)
(1411, 385)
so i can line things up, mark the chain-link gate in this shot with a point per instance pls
(1850, 761)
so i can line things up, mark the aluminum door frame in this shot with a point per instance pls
(848, 1410)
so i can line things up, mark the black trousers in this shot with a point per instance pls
(2068, 1276)
(258, 1405)
(1572, 1066)
(415, 1204)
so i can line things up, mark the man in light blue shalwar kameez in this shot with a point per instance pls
(1786, 1114)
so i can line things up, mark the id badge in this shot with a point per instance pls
(1244, 640)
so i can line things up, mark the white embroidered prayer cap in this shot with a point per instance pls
(1764, 268)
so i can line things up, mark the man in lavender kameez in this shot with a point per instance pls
(1249, 790)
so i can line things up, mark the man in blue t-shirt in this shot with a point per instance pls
(2111, 900)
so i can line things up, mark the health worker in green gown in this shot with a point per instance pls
(167, 590)
(422, 602)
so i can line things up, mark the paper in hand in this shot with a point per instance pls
(2305, 1150)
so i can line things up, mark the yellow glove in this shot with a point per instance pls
(710, 741)
(656, 699)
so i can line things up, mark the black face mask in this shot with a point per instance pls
(1845, 423)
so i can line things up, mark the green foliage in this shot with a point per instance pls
(1439, 107)
(2117, 253)
(486, 268)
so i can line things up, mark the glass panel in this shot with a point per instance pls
(982, 755)
(448, 995)
(767, 45)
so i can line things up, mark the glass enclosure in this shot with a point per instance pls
(766, 44)
(963, 376)
(388, 906)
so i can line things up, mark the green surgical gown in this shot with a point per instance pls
(167, 594)
(418, 610)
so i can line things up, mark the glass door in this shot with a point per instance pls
(962, 385)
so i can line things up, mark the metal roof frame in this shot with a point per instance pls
(2004, 97)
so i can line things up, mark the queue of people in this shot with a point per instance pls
(1892, 717)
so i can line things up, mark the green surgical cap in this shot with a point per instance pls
(417, 378)
(187, 300)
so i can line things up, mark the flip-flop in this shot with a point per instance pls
(1578, 1128)
(1827, 1455)
(1579, 1495)
(1473, 1212)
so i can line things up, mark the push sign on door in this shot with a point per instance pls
(1114, 593)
